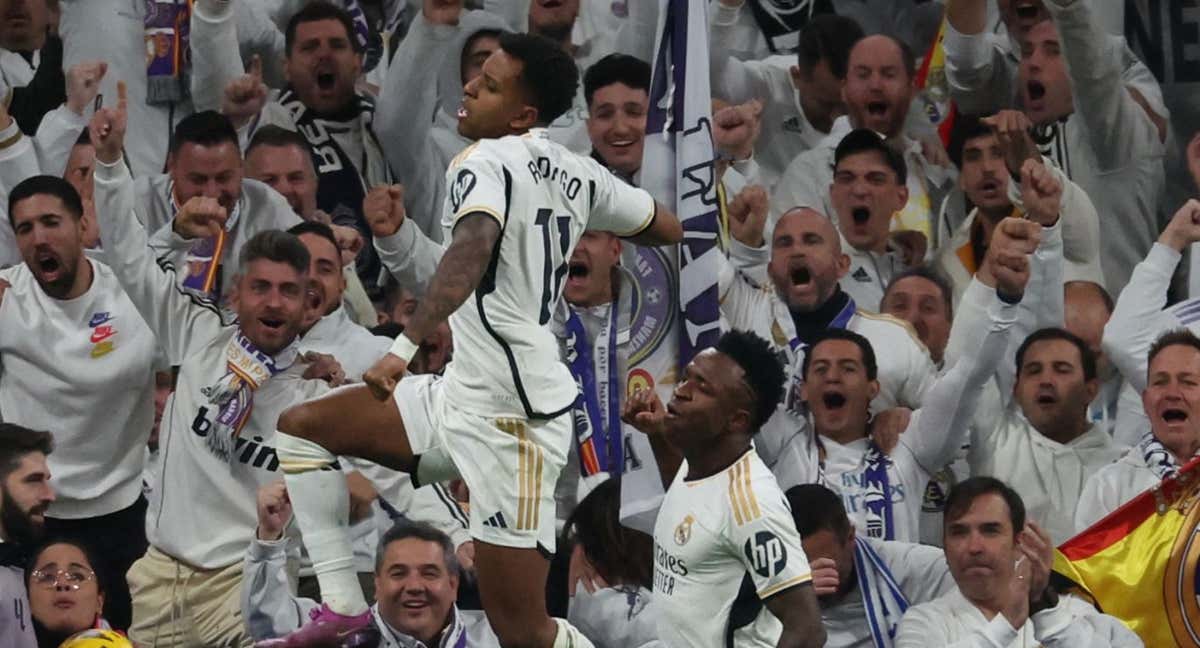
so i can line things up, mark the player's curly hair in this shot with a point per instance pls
(549, 74)
(761, 366)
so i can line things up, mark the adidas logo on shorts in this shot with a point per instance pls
(496, 521)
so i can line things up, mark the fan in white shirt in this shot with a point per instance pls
(77, 358)
(1172, 440)
(897, 574)
(1045, 445)
(1041, 439)
(880, 485)
(1004, 598)
(1139, 331)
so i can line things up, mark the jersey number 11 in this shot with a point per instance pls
(553, 273)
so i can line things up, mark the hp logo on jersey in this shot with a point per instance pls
(766, 554)
(463, 185)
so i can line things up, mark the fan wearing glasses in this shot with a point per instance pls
(66, 594)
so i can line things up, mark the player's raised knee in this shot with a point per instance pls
(299, 421)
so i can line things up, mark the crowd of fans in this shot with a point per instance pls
(955, 277)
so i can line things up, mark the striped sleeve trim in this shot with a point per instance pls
(789, 583)
(644, 226)
(458, 159)
(10, 141)
(741, 496)
(480, 210)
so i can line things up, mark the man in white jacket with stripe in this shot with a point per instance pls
(219, 427)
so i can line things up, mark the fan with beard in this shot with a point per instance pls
(18, 525)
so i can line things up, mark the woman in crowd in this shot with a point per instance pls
(66, 595)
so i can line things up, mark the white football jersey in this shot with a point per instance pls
(506, 359)
(722, 544)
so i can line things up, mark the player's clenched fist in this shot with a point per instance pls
(384, 209)
(382, 377)
(200, 217)
(107, 128)
(644, 411)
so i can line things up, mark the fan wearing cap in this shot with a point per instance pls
(868, 188)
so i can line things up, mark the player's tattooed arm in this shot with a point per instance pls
(458, 273)
(796, 608)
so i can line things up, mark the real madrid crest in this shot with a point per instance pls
(1181, 583)
(683, 532)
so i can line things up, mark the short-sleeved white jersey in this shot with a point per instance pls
(506, 359)
(720, 543)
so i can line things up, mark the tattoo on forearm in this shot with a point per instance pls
(458, 273)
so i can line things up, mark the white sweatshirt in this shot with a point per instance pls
(954, 622)
(82, 369)
(1112, 486)
(204, 511)
(1049, 475)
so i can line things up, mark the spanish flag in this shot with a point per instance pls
(931, 79)
(1139, 564)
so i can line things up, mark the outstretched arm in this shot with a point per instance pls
(458, 274)
(181, 321)
(940, 427)
(1138, 318)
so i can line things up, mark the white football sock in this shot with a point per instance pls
(569, 636)
(321, 503)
